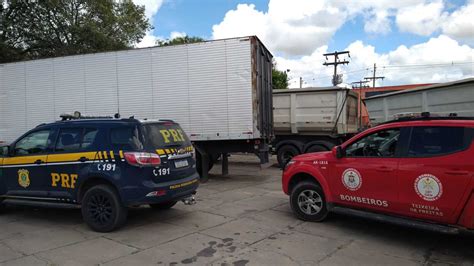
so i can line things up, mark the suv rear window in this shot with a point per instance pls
(159, 135)
(125, 138)
(432, 141)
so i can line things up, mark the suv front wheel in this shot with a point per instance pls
(102, 209)
(308, 202)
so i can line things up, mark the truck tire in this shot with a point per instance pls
(102, 209)
(164, 205)
(308, 202)
(285, 153)
(316, 148)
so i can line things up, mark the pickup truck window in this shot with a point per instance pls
(379, 144)
(435, 141)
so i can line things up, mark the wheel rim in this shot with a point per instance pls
(100, 209)
(310, 202)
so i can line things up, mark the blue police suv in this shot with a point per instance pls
(101, 165)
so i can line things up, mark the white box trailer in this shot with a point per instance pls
(312, 119)
(219, 91)
(443, 99)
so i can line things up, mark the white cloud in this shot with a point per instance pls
(148, 41)
(151, 8)
(298, 33)
(422, 19)
(176, 34)
(438, 56)
(460, 24)
(378, 22)
(291, 27)
(297, 27)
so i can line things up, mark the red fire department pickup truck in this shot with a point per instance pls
(416, 171)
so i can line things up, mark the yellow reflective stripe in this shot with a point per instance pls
(112, 155)
(105, 156)
(67, 157)
(160, 151)
(167, 151)
(121, 154)
(23, 159)
(100, 155)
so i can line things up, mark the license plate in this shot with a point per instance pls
(182, 163)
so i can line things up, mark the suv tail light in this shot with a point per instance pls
(142, 158)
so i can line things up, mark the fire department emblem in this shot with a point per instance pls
(24, 178)
(352, 179)
(428, 187)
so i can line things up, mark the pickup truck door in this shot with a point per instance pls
(435, 173)
(366, 176)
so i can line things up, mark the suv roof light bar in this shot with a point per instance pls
(77, 115)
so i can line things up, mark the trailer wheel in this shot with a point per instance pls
(285, 153)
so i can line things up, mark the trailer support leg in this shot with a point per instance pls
(205, 167)
(225, 164)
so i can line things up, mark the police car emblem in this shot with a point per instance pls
(24, 178)
(428, 187)
(352, 179)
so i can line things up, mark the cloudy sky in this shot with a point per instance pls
(411, 41)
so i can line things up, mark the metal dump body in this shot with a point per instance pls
(445, 98)
(216, 90)
(315, 111)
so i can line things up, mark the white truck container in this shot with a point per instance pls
(443, 99)
(312, 119)
(219, 91)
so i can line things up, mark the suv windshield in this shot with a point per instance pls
(160, 135)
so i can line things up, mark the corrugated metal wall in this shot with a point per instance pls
(206, 87)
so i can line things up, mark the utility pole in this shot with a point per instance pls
(360, 83)
(301, 82)
(374, 77)
(335, 63)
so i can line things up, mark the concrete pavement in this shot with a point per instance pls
(240, 219)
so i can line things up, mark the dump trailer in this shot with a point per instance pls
(219, 91)
(312, 119)
(455, 97)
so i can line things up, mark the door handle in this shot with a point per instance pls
(83, 159)
(456, 172)
(384, 169)
(39, 161)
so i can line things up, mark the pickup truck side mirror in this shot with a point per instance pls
(338, 152)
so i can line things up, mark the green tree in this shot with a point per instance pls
(179, 40)
(279, 78)
(38, 29)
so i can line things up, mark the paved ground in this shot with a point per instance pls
(241, 219)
